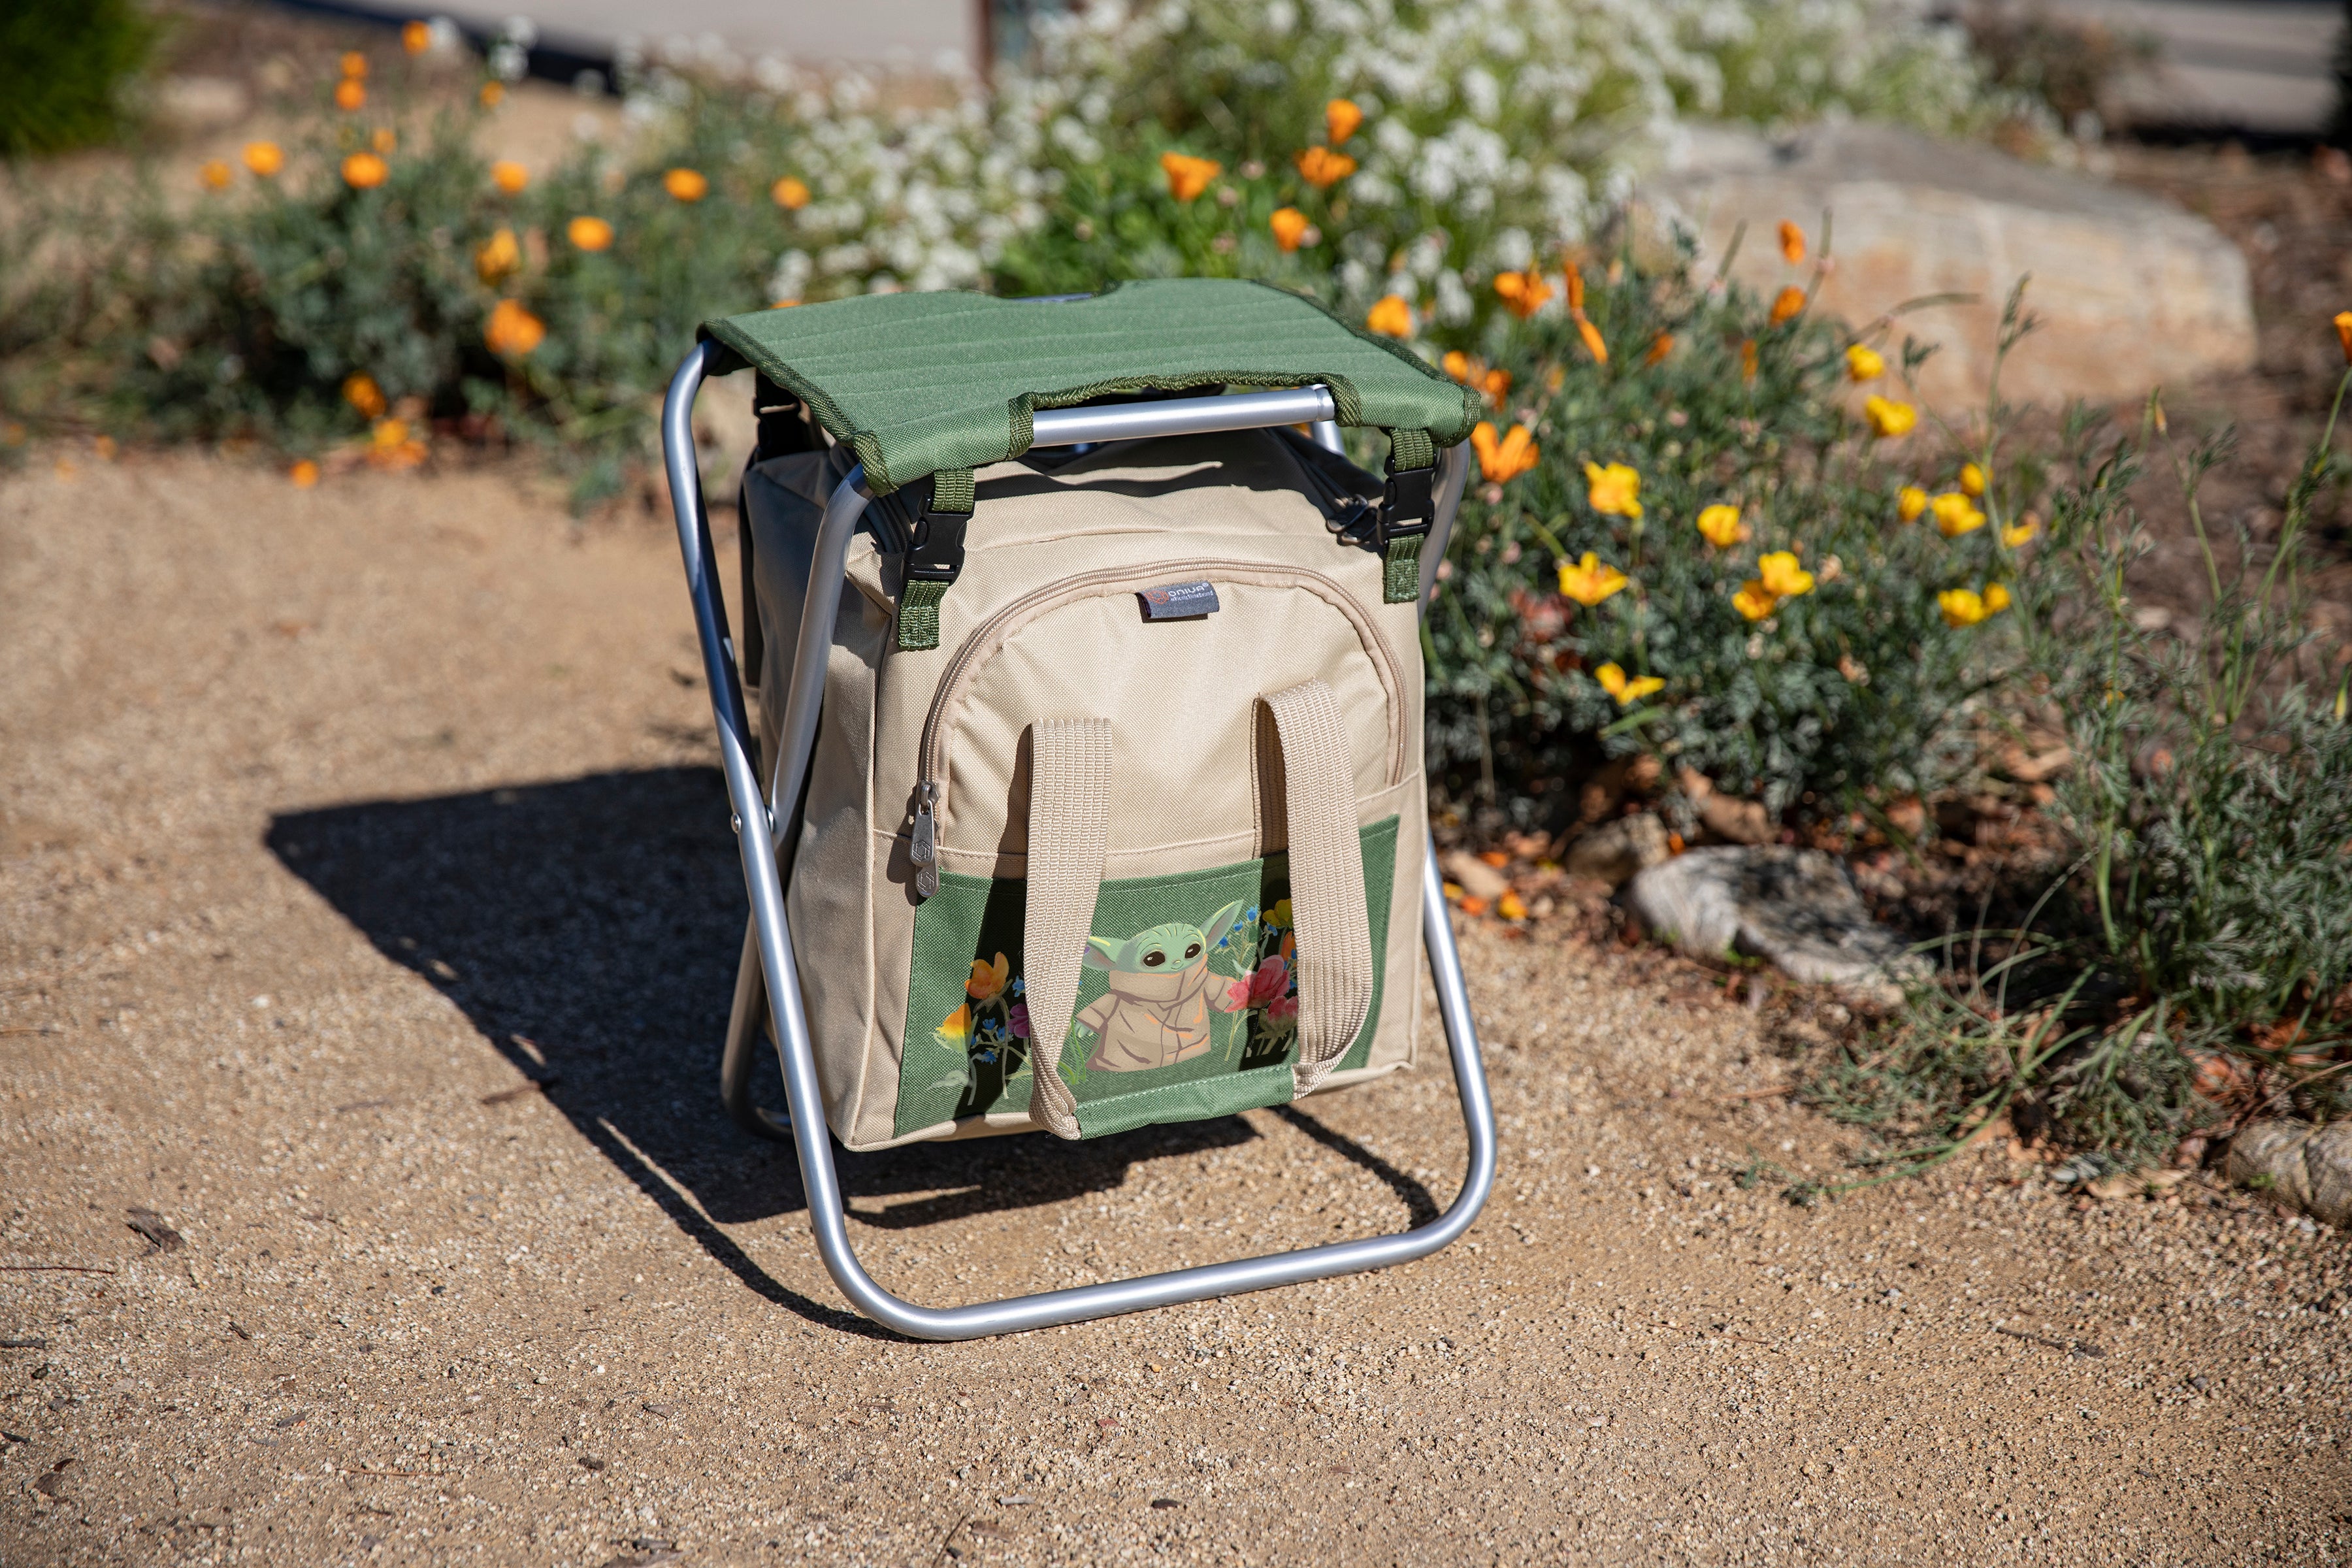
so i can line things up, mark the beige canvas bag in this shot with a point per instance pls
(1140, 838)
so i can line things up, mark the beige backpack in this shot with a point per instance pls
(1124, 826)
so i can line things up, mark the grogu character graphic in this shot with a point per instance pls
(1157, 1009)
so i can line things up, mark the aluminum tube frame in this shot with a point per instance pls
(770, 936)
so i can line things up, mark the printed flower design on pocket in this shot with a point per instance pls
(989, 1032)
(1265, 990)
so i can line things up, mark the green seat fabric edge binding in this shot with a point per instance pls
(872, 368)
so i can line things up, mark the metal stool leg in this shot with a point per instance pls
(770, 935)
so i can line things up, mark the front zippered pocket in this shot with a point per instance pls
(935, 754)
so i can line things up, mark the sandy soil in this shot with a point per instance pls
(335, 820)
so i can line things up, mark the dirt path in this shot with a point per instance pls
(333, 818)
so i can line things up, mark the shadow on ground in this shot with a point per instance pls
(599, 919)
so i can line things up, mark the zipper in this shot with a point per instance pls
(924, 849)
(932, 755)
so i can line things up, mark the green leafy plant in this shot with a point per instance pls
(2192, 965)
(65, 67)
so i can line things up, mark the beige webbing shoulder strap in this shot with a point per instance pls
(1069, 829)
(1327, 879)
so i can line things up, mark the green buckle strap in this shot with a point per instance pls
(934, 558)
(918, 613)
(1408, 510)
(1403, 584)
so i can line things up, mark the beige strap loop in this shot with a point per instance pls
(1326, 880)
(1069, 829)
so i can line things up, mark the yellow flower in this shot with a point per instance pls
(497, 256)
(362, 394)
(1754, 600)
(1909, 502)
(1956, 514)
(2013, 534)
(513, 329)
(1790, 303)
(303, 474)
(1973, 481)
(1781, 576)
(2344, 333)
(987, 979)
(1660, 347)
(1523, 292)
(492, 94)
(1280, 915)
(214, 174)
(1322, 168)
(1720, 525)
(1588, 581)
(1616, 490)
(1864, 363)
(264, 158)
(1508, 458)
(1289, 225)
(354, 65)
(1961, 606)
(956, 1028)
(350, 93)
(416, 37)
(1792, 242)
(510, 176)
(383, 139)
(790, 194)
(588, 233)
(365, 171)
(1391, 318)
(1510, 906)
(1340, 118)
(1594, 342)
(1627, 692)
(686, 185)
(1888, 417)
(1188, 176)
(1996, 598)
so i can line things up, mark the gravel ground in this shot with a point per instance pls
(367, 913)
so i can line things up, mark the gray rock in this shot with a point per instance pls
(2131, 290)
(1792, 906)
(2308, 1166)
(1616, 850)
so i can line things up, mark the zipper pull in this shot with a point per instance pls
(924, 851)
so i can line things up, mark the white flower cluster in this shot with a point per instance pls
(1494, 129)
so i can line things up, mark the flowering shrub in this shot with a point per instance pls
(1477, 135)
(2188, 968)
(1692, 542)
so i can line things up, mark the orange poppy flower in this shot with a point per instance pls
(1507, 459)
(1188, 176)
(1289, 225)
(1340, 118)
(1322, 168)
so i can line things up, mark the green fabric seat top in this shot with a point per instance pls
(915, 383)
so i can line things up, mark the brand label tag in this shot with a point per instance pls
(1179, 601)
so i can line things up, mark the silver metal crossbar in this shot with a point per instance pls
(769, 981)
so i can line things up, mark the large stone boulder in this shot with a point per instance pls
(2132, 291)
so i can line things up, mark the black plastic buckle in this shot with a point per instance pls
(935, 553)
(1408, 507)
